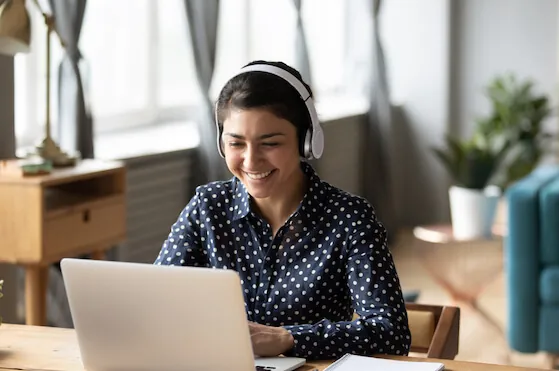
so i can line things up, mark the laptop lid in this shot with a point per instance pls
(132, 316)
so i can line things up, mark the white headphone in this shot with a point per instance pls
(313, 146)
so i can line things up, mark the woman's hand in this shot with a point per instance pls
(268, 341)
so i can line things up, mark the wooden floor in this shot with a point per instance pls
(478, 341)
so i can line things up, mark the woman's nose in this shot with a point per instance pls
(251, 156)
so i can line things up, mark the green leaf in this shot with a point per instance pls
(447, 161)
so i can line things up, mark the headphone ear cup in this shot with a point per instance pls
(218, 133)
(220, 144)
(307, 145)
(317, 142)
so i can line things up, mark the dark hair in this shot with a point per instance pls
(263, 90)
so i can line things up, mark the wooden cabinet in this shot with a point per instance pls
(72, 211)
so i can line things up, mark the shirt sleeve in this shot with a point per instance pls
(382, 323)
(183, 245)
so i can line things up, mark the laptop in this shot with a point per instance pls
(134, 316)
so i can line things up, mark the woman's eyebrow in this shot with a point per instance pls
(263, 136)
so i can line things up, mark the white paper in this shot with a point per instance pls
(361, 363)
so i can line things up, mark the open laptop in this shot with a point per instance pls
(132, 316)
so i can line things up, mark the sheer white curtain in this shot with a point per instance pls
(202, 19)
(378, 180)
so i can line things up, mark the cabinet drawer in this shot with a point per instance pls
(87, 225)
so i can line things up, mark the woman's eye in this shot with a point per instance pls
(235, 144)
(270, 144)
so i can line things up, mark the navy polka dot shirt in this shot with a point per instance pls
(329, 260)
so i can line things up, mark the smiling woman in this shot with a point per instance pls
(261, 150)
(309, 255)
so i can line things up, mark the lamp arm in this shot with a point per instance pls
(48, 149)
(49, 22)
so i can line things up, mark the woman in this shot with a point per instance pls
(309, 255)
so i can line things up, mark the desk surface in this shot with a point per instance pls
(35, 348)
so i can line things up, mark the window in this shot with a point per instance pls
(326, 20)
(255, 29)
(138, 66)
(141, 69)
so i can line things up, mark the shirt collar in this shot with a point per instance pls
(309, 205)
(241, 200)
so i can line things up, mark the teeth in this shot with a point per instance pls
(259, 175)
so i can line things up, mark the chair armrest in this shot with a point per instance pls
(447, 333)
(435, 330)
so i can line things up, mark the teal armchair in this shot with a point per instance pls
(532, 262)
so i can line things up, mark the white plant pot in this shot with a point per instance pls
(473, 211)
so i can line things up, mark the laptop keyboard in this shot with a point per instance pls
(264, 368)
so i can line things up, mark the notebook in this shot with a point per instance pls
(351, 362)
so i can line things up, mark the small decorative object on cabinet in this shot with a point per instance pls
(66, 213)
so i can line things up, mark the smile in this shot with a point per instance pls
(257, 176)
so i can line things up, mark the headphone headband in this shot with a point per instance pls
(280, 72)
(314, 138)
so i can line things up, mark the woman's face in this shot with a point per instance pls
(261, 150)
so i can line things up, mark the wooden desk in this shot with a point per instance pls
(37, 348)
(69, 212)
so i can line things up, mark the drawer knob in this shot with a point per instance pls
(85, 216)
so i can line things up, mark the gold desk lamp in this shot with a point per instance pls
(15, 37)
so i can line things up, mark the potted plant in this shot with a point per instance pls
(517, 114)
(505, 147)
(472, 165)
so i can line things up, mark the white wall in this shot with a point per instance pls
(440, 55)
(497, 36)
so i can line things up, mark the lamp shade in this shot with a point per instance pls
(15, 27)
